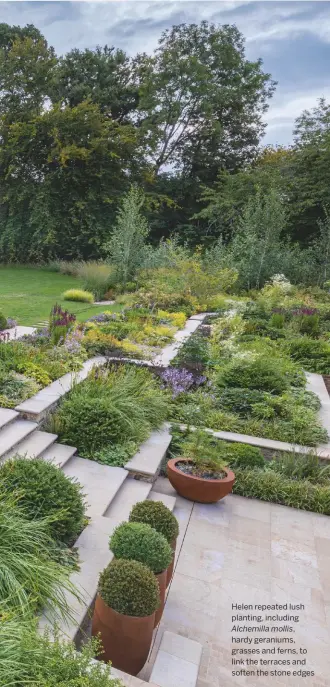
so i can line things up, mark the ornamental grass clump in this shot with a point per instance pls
(112, 406)
(31, 578)
(78, 295)
(140, 542)
(130, 588)
(158, 516)
(44, 491)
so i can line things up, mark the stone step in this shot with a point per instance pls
(39, 405)
(131, 492)
(147, 461)
(177, 661)
(94, 555)
(59, 454)
(33, 446)
(100, 482)
(166, 499)
(7, 416)
(14, 433)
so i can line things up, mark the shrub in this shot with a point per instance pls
(45, 491)
(78, 295)
(312, 354)
(158, 516)
(244, 456)
(261, 373)
(15, 388)
(177, 319)
(239, 400)
(268, 485)
(96, 277)
(3, 321)
(111, 406)
(130, 588)
(27, 658)
(140, 542)
(30, 577)
(205, 452)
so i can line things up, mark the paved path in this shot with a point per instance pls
(246, 551)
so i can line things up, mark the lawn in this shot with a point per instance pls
(28, 294)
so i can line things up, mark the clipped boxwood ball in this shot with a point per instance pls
(158, 516)
(139, 542)
(45, 491)
(129, 587)
(245, 456)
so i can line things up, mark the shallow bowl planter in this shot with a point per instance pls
(197, 488)
(126, 639)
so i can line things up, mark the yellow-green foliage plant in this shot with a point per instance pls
(78, 295)
(177, 319)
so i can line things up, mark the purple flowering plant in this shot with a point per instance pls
(180, 380)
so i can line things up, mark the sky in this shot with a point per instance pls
(292, 38)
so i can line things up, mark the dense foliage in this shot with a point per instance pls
(44, 491)
(27, 658)
(139, 541)
(158, 516)
(31, 578)
(129, 587)
(112, 405)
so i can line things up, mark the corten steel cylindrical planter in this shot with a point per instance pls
(161, 579)
(126, 639)
(171, 565)
(196, 488)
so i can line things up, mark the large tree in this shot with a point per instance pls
(104, 75)
(201, 100)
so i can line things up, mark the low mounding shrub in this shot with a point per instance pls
(261, 373)
(158, 516)
(78, 295)
(96, 277)
(130, 588)
(30, 576)
(27, 658)
(140, 542)
(111, 405)
(44, 491)
(275, 487)
(244, 456)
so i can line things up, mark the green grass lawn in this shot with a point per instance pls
(28, 294)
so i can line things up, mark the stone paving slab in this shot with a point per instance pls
(150, 454)
(15, 432)
(33, 445)
(6, 416)
(59, 454)
(315, 383)
(248, 551)
(100, 484)
(169, 352)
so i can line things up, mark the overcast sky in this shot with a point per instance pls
(292, 38)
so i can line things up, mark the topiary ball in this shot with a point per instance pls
(158, 516)
(129, 587)
(139, 542)
(45, 491)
